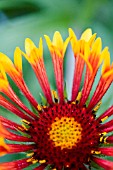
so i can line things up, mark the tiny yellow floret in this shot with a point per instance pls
(65, 132)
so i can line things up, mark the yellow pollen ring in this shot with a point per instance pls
(65, 132)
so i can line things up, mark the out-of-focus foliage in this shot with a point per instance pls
(33, 18)
(20, 19)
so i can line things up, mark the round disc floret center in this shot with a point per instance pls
(65, 132)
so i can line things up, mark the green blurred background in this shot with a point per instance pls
(20, 19)
(33, 18)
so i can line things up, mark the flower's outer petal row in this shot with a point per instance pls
(15, 148)
(18, 60)
(11, 136)
(81, 49)
(102, 87)
(94, 59)
(79, 66)
(57, 49)
(34, 56)
(93, 55)
(6, 104)
(15, 165)
(4, 148)
(57, 45)
(10, 124)
(106, 114)
(106, 151)
(103, 163)
(10, 93)
(58, 69)
(15, 72)
(107, 127)
(86, 35)
(7, 90)
(106, 64)
(105, 80)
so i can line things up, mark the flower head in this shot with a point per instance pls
(60, 133)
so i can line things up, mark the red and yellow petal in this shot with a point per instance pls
(109, 139)
(16, 148)
(10, 124)
(103, 85)
(34, 56)
(8, 65)
(107, 127)
(15, 72)
(57, 49)
(86, 35)
(81, 49)
(18, 60)
(103, 163)
(32, 52)
(107, 114)
(11, 136)
(57, 45)
(4, 148)
(15, 165)
(106, 150)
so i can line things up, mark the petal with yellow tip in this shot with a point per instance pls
(18, 59)
(29, 46)
(72, 34)
(87, 63)
(4, 148)
(57, 40)
(97, 46)
(33, 53)
(57, 46)
(40, 47)
(106, 63)
(6, 62)
(2, 73)
(108, 74)
(91, 40)
(65, 45)
(86, 35)
(73, 38)
(49, 43)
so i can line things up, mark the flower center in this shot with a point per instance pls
(64, 136)
(65, 132)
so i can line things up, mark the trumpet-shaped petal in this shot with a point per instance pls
(57, 49)
(34, 56)
(15, 72)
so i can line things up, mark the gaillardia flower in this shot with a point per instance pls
(58, 133)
